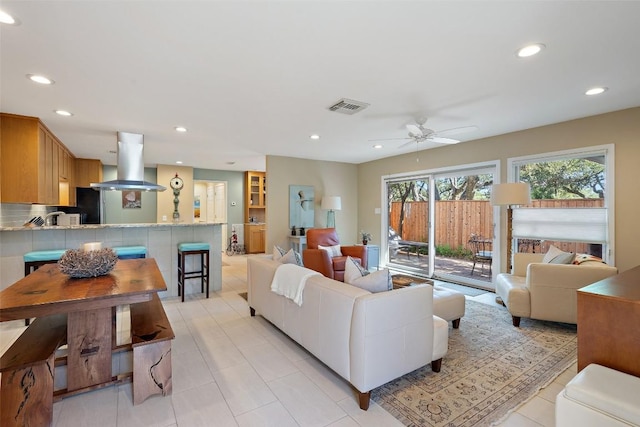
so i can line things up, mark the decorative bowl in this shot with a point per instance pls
(80, 264)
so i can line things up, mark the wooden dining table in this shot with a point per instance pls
(89, 304)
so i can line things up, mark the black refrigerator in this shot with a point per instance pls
(88, 205)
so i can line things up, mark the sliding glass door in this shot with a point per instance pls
(408, 224)
(441, 224)
(464, 226)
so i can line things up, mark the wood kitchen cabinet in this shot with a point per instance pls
(32, 171)
(255, 209)
(87, 171)
(254, 238)
(256, 196)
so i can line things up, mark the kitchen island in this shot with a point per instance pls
(161, 241)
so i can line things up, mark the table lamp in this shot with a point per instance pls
(510, 194)
(332, 204)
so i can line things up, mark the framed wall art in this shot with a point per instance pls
(301, 206)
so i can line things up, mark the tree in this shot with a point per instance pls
(403, 192)
(565, 179)
(467, 187)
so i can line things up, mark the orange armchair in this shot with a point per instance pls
(320, 260)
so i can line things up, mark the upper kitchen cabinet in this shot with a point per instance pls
(256, 197)
(36, 166)
(87, 171)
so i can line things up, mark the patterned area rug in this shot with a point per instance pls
(491, 369)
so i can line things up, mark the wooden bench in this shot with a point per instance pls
(27, 373)
(151, 336)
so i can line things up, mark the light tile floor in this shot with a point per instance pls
(230, 369)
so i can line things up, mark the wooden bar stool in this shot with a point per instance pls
(185, 249)
(34, 260)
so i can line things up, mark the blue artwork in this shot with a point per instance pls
(301, 206)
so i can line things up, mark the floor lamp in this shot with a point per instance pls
(510, 194)
(332, 204)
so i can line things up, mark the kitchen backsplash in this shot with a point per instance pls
(15, 215)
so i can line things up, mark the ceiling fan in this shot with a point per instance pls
(419, 133)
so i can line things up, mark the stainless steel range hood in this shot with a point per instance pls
(130, 166)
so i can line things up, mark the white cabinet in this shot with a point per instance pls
(373, 257)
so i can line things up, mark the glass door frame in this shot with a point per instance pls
(384, 247)
(431, 175)
(463, 170)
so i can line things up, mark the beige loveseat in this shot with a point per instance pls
(546, 291)
(368, 339)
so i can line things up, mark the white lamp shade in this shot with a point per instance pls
(513, 193)
(332, 203)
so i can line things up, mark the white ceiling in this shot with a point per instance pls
(250, 79)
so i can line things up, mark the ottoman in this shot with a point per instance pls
(448, 304)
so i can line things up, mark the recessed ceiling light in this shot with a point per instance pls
(377, 146)
(315, 136)
(5, 18)
(596, 90)
(40, 79)
(64, 113)
(231, 163)
(181, 129)
(179, 162)
(530, 50)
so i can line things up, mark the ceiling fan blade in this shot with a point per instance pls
(456, 131)
(414, 129)
(413, 141)
(389, 139)
(441, 140)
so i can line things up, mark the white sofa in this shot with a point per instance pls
(368, 339)
(599, 397)
(546, 291)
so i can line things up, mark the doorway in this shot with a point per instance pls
(210, 204)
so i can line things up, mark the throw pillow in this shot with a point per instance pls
(353, 270)
(278, 252)
(557, 256)
(291, 257)
(378, 281)
(582, 258)
(355, 275)
(333, 250)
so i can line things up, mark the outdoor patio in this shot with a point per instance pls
(444, 265)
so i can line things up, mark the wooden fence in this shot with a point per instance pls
(456, 220)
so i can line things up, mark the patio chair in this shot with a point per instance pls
(481, 252)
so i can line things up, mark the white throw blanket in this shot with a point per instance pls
(289, 281)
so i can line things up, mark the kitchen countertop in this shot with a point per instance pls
(99, 226)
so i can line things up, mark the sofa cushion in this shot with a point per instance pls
(557, 256)
(333, 250)
(291, 257)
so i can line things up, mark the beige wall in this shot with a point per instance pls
(165, 198)
(620, 128)
(327, 178)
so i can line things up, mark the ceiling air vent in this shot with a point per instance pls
(348, 106)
